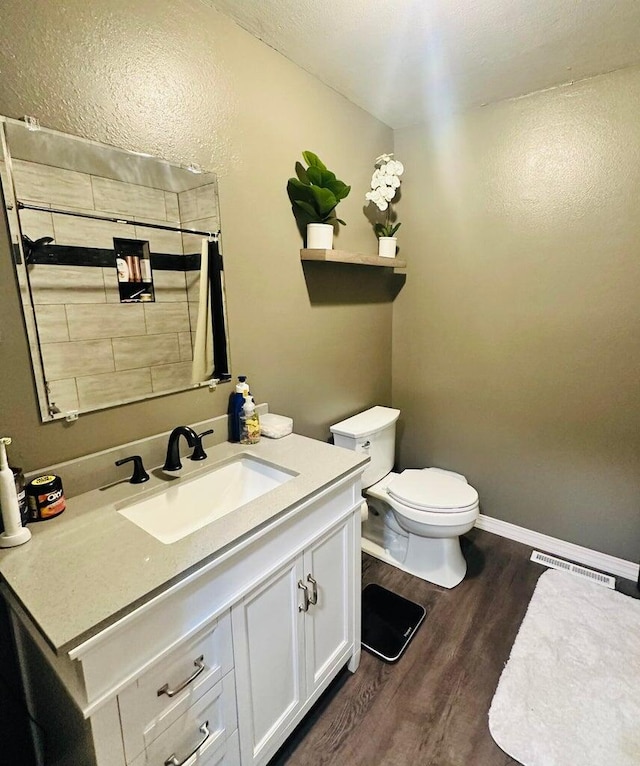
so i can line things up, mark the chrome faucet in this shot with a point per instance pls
(172, 462)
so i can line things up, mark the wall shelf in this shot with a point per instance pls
(342, 256)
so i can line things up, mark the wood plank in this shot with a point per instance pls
(431, 707)
(342, 256)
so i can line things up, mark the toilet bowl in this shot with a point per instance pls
(416, 516)
(431, 508)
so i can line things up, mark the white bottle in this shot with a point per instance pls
(14, 533)
(242, 387)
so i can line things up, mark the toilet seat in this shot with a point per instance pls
(437, 518)
(431, 491)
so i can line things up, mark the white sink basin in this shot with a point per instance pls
(192, 503)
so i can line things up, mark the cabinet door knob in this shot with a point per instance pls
(305, 593)
(173, 761)
(200, 666)
(313, 598)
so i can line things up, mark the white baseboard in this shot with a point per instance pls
(571, 551)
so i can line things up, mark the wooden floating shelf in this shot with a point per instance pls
(342, 256)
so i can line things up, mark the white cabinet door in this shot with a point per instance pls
(328, 623)
(286, 646)
(269, 650)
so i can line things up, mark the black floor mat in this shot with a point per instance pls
(389, 622)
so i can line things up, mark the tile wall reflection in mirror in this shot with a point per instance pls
(109, 271)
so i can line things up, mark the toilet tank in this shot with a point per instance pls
(373, 432)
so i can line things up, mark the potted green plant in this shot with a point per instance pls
(315, 193)
(385, 184)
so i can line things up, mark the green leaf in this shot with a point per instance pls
(315, 175)
(295, 185)
(302, 202)
(339, 220)
(296, 190)
(313, 160)
(301, 172)
(309, 209)
(385, 229)
(324, 178)
(325, 200)
(340, 189)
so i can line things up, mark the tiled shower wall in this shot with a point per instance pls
(97, 351)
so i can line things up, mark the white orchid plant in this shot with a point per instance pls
(385, 183)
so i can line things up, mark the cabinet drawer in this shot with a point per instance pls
(203, 736)
(228, 754)
(160, 696)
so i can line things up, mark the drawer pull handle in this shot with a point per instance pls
(305, 593)
(200, 668)
(313, 598)
(173, 761)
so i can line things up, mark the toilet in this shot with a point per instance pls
(415, 518)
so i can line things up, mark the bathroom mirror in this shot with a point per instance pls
(108, 247)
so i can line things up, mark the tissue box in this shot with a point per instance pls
(275, 426)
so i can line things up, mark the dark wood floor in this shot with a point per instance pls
(430, 708)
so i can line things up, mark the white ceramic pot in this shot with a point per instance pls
(387, 247)
(319, 236)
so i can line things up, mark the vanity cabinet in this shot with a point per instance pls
(290, 635)
(220, 666)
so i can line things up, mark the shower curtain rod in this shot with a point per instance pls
(211, 234)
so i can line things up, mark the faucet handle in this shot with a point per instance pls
(139, 475)
(198, 452)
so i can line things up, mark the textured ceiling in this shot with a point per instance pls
(405, 61)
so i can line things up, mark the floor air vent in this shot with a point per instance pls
(554, 563)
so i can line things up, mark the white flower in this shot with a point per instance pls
(377, 179)
(385, 181)
(388, 192)
(378, 198)
(395, 168)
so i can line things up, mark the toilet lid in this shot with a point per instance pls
(432, 491)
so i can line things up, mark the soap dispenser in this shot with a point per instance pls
(14, 533)
(249, 423)
(236, 403)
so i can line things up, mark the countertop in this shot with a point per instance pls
(89, 566)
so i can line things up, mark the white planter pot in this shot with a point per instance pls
(387, 247)
(319, 236)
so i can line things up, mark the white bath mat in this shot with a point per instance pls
(570, 692)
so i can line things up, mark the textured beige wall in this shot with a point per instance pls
(516, 340)
(180, 81)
